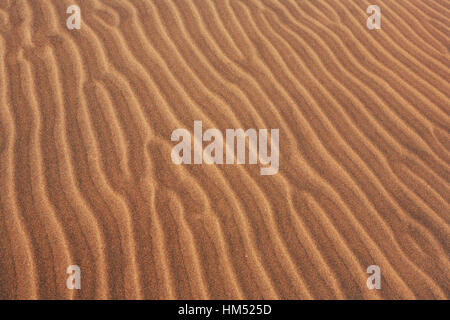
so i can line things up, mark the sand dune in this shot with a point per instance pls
(87, 179)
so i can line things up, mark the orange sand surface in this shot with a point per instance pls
(86, 175)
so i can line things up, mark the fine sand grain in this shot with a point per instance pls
(86, 176)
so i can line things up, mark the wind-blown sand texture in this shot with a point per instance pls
(85, 170)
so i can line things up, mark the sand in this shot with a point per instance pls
(87, 179)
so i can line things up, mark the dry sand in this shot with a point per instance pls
(85, 170)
